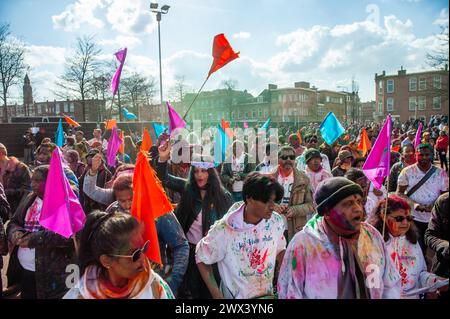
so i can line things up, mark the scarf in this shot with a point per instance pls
(351, 282)
(94, 285)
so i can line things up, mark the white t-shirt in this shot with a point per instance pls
(245, 254)
(195, 231)
(238, 165)
(428, 192)
(287, 183)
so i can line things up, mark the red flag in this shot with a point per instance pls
(222, 53)
(396, 148)
(364, 144)
(149, 203)
(71, 122)
(146, 141)
(226, 128)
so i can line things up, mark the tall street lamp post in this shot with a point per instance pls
(159, 12)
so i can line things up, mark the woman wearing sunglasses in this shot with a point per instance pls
(113, 262)
(401, 240)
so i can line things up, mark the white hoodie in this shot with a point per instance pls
(311, 265)
(245, 253)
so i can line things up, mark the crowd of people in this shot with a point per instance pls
(299, 220)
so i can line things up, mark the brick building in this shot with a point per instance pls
(411, 95)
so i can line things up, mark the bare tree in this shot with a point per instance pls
(178, 91)
(136, 89)
(230, 85)
(439, 59)
(77, 79)
(12, 65)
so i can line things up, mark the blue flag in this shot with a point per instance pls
(128, 115)
(159, 129)
(59, 137)
(331, 129)
(220, 145)
(266, 125)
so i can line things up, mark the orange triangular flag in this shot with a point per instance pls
(146, 141)
(110, 124)
(122, 146)
(299, 137)
(364, 144)
(149, 202)
(70, 121)
(226, 128)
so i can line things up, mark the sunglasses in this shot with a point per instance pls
(136, 254)
(400, 219)
(286, 157)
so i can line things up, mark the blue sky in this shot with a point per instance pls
(324, 42)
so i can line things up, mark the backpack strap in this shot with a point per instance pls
(422, 181)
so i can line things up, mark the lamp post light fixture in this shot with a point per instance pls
(164, 10)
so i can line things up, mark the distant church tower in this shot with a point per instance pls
(27, 95)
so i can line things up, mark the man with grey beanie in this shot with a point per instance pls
(337, 255)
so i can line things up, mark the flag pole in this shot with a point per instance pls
(195, 98)
(77, 248)
(386, 205)
(110, 109)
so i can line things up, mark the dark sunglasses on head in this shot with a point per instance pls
(136, 254)
(400, 219)
(286, 157)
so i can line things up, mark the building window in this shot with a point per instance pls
(380, 87)
(413, 84)
(39, 109)
(260, 113)
(422, 84)
(390, 86)
(340, 100)
(380, 107)
(437, 81)
(260, 99)
(253, 114)
(437, 103)
(390, 104)
(66, 107)
(412, 103)
(57, 109)
(72, 107)
(327, 99)
(266, 113)
(246, 115)
(422, 102)
(280, 98)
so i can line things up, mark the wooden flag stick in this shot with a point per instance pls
(386, 205)
(110, 109)
(77, 248)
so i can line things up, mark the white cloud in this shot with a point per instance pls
(78, 13)
(121, 41)
(130, 16)
(38, 55)
(443, 18)
(242, 35)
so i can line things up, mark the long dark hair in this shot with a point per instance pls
(216, 198)
(103, 234)
(394, 203)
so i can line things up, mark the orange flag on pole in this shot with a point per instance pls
(146, 141)
(71, 122)
(110, 124)
(149, 202)
(299, 137)
(364, 144)
(122, 146)
(226, 128)
(222, 53)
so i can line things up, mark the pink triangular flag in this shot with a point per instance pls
(377, 165)
(418, 135)
(61, 210)
(114, 143)
(175, 120)
(120, 55)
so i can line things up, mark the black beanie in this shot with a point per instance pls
(333, 190)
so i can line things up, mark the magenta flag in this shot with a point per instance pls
(377, 164)
(114, 143)
(418, 135)
(175, 120)
(120, 55)
(61, 210)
